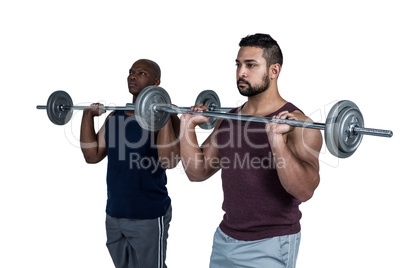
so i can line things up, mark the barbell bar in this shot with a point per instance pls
(343, 128)
(59, 107)
(295, 123)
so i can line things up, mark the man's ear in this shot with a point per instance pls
(157, 81)
(275, 70)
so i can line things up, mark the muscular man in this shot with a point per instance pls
(267, 169)
(138, 206)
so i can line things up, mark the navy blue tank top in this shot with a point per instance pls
(136, 179)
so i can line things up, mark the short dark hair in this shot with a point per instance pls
(272, 52)
(154, 66)
(157, 69)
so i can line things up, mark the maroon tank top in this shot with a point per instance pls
(255, 203)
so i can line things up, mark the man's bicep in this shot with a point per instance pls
(307, 143)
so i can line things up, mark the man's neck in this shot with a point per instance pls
(264, 103)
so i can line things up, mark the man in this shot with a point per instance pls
(138, 206)
(267, 170)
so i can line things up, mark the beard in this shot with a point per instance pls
(253, 90)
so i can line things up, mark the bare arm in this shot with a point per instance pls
(93, 145)
(296, 153)
(168, 143)
(199, 162)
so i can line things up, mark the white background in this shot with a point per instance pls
(52, 202)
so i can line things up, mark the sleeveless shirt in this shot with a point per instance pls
(136, 180)
(255, 203)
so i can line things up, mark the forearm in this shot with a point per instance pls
(298, 177)
(88, 138)
(192, 156)
(168, 145)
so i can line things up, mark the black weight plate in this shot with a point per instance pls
(55, 113)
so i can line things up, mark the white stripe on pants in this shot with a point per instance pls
(138, 243)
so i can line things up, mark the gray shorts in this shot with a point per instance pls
(138, 243)
(276, 252)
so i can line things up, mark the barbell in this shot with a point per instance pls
(60, 106)
(343, 128)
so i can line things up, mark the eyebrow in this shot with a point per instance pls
(248, 61)
(139, 70)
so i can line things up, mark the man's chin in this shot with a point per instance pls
(134, 91)
(244, 91)
(250, 92)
